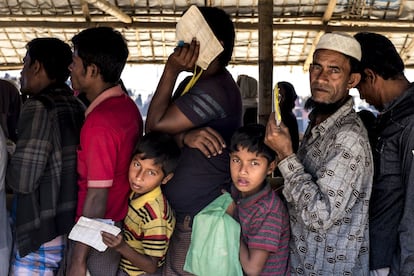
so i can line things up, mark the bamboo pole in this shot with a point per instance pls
(265, 60)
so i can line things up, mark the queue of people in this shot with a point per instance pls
(345, 207)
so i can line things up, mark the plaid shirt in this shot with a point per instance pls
(42, 171)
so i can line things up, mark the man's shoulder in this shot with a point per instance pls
(59, 97)
(119, 104)
(351, 123)
(32, 109)
(269, 202)
(114, 108)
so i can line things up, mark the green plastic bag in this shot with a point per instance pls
(215, 241)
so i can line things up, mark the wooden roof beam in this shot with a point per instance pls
(325, 20)
(391, 27)
(85, 11)
(329, 11)
(111, 9)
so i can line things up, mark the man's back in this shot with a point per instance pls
(108, 136)
(43, 168)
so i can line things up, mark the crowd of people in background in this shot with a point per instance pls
(344, 207)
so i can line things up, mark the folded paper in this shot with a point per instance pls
(193, 25)
(276, 105)
(88, 231)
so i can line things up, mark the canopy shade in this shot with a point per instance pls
(149, 25)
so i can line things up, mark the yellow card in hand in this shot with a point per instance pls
(276, 107)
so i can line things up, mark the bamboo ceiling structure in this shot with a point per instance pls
(149, 25)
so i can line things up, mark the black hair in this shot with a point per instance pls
(290, 95)
(104, 47)
(223, 28)
(251, 137)
(379, 55)
(161, 147)
(54, 54)
(355, 64)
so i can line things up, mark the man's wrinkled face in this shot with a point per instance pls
(330, 76)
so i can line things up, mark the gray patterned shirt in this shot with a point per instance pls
(327, 187)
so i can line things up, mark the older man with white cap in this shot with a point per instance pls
(327, 183)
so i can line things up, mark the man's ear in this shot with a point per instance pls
(353, 80)
(370, 76)
(93, 70)
(167, 178)
(36, 67)
(271, 167)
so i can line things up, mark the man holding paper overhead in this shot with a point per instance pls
(210, 98)
(328, 181)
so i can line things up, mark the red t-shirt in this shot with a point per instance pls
(108, 136)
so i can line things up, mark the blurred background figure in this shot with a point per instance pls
(287, 99)
(5, 232)
(248, 90)
(10, 103)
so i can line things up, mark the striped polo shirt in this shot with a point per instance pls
(264, 225)
(148, 227)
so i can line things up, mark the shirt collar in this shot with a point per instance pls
(407, 93)
(140, 201)
(114, 91)
(246, 202)
(341, 114)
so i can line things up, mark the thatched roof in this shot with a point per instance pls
(149, 25)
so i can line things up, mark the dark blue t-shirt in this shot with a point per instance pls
(214, 102)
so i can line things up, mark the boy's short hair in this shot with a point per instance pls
(251, 137)
(104, 47)
(161, 147)
(54, 54)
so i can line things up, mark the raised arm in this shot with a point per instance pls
(162, 114)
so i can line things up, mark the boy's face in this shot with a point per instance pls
(145, 175)
(248, 171)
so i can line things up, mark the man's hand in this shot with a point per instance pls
(207, 140)
(278, 138)
(184, 57)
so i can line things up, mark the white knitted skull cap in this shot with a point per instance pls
(340, 42)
